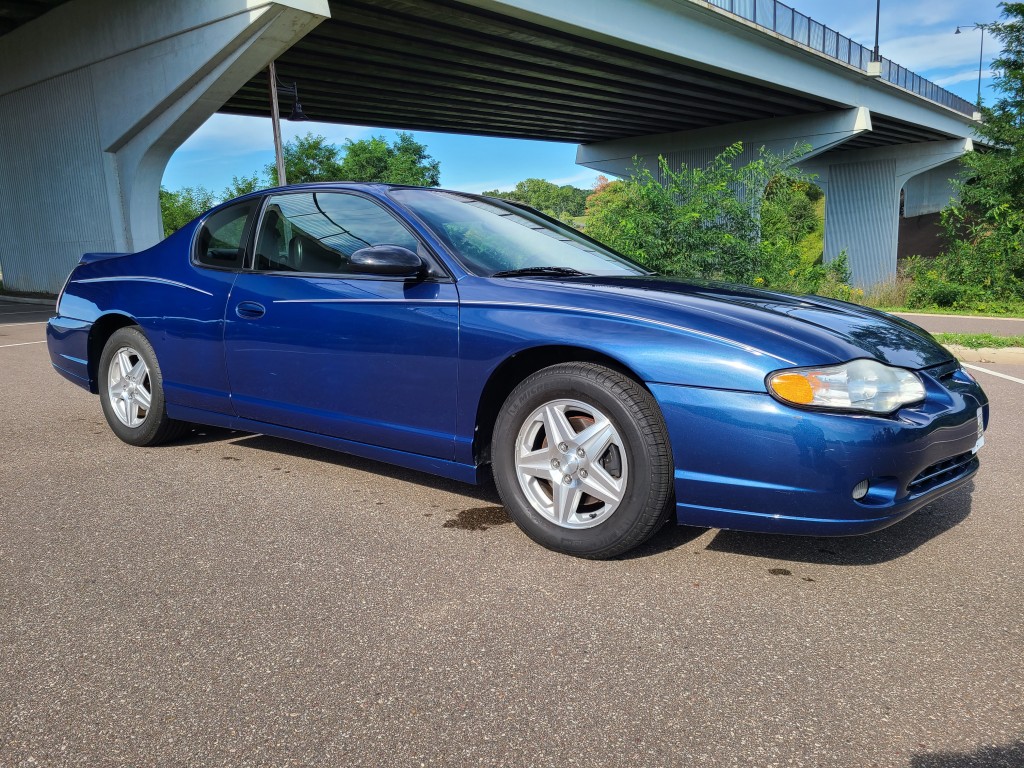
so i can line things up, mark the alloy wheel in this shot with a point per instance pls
(571, 463)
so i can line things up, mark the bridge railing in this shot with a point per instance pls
(790, 23)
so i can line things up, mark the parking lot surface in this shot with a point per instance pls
(233, 599)
(997, 326)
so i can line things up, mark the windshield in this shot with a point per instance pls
(491, 237)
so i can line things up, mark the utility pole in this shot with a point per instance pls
(275, 118)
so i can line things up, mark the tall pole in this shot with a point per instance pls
(981, 50)
(275, 118)
(878, 14)
(981, 57)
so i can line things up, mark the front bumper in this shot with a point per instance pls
(746, 462)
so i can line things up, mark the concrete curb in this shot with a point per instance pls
(29, 300)
(1007, 355)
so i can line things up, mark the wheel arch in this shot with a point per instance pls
(104, 327)
(511, 371)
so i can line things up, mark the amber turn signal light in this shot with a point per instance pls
(794, 387)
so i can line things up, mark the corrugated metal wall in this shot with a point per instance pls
(36, 255)
(699, 158)
(862, 214)
(930, 191)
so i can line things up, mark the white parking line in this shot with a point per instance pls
(26, 312)
(6, 325)
(993, 373)
(26, 343)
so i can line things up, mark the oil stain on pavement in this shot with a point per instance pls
(478, 519)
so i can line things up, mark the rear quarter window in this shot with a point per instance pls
(221, 239)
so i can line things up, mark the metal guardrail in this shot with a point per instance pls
(790, 23)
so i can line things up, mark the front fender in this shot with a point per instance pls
(656, 351)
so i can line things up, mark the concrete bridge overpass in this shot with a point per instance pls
(98, 94)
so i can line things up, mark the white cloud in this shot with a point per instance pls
(232, 135)
(940, 50)
(946, 13)
(586, 178)
(964, 76)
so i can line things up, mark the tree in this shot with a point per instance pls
(405, 161)
(558, 201)
(312, 158)
(741, 224)
(984, 257)
(695, 222)
(180, 206)
(242, 185)
(308, 158)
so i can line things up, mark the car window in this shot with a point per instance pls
(492, 236)
(221, 239)
(318, 232)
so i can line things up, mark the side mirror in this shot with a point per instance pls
(391, 260)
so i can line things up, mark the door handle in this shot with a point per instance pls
(250, 310)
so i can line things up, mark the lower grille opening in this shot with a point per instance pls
(942, 472)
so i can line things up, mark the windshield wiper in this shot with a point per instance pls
(540, 272)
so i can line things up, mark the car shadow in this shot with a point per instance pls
(885, 545)
(668, 537)
(485, 492)
(888, 544)
(1010, 756)
(201, 435)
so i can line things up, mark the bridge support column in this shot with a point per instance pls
(929, 192)
(89, 125)
(862, 200)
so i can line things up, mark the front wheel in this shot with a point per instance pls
(131, 390)
(581, 459)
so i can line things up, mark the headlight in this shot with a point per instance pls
(860, 385)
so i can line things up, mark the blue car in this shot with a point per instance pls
(466, 336)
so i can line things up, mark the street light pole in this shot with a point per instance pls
(981, 57)
(878, 15)
(981, 50)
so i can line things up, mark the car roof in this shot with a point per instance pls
(374, 185)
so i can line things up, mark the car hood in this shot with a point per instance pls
(770, 320)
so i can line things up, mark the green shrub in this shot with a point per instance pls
(984, 258)
(747, 224)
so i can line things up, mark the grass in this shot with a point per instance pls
(979, 340)
(812, 245)
(892, 295)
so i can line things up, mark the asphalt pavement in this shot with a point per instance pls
(997, 326)
(240, 600)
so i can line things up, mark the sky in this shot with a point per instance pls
(917, 34)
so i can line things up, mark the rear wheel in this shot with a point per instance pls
(581, 459)
(131, 390)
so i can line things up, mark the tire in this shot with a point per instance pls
(131, 390)
(603, 484)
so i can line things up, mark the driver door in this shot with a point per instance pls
(312, 346)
